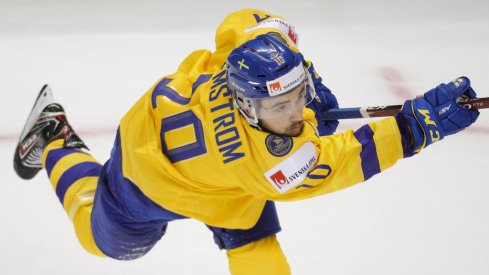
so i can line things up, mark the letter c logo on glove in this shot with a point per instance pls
(434, 134)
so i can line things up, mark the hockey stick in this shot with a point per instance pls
(390, 110)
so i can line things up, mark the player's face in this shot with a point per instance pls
(283, 114)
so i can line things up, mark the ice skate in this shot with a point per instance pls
(45, 123)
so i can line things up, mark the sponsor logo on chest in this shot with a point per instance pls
(293, 170)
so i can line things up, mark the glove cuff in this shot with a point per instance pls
(423, 124)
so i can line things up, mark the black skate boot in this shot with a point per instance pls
(46, 122)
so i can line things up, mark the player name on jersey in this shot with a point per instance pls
(227, 135)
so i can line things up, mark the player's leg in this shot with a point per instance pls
(126, 224)
(262, 257)
(48, 141)
(256, 250)
(112, 217)
(74, 175)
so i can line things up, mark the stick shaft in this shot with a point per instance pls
(390, 110)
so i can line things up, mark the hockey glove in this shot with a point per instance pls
(323, 101)
(436, 114)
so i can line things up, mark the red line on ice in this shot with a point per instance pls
(82, 133)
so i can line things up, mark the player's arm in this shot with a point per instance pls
(352, 157)
(329, 163)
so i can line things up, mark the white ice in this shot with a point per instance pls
(426, 215)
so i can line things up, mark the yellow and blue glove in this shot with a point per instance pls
(436, 114)
(323, 101)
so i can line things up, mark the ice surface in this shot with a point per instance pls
(427, 215)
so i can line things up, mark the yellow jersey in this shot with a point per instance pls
(185, 145)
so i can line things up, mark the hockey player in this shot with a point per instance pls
(218, 141)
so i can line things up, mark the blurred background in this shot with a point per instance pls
(426, 215)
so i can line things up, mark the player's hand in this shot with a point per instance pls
(436, 114)
(323, 101)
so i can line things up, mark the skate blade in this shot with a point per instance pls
(44, 98)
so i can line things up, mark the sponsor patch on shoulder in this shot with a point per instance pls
(278, 146)
(293, 170)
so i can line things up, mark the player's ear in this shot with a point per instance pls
(243, 105)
